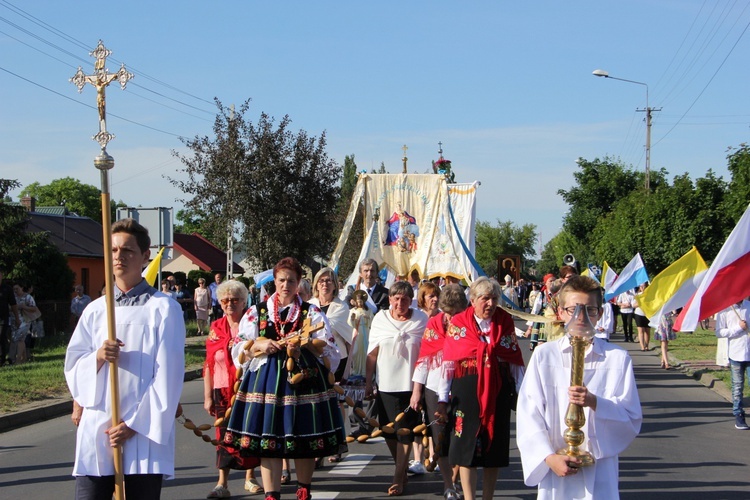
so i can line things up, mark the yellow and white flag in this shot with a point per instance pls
(152, 270)
(673, 287)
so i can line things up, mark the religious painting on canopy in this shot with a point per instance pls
(408, 208)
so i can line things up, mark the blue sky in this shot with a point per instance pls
(507, 87)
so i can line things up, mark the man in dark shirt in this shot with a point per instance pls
(7, 304)
(368, 273)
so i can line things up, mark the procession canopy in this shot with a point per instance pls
(412, 227)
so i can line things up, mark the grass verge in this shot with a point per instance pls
(43, 378)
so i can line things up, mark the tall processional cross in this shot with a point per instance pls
(100, 80)
(405, 158)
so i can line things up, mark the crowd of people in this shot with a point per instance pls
(437, 367)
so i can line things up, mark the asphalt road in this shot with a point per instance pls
(688, 448)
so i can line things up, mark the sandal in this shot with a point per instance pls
(252, 486)
(286, 476)
(335, 458)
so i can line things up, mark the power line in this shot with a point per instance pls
(707, 84)
(84, 46)
(88, 105)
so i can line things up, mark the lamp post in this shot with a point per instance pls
(648, 110)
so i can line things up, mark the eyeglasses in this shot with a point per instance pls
(590, 310)
(325, 281)
(233, 300)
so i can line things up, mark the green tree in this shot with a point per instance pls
(192, 220)
(41, 264)
(279, 189)
(348, 180)
(738, 193)
(556, 248)
(503, 238)
(664, 225)
(13, 221)
(349, 256)
(30, 257)
(82, 199)
(599, 185)
(380, 170)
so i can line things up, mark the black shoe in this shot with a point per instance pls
(740, 424)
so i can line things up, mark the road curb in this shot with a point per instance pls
(39, 411)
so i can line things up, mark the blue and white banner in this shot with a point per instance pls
(631, 277)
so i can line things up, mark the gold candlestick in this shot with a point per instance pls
(580, 331)
(574, 416)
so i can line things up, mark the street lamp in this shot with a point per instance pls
(648, 110)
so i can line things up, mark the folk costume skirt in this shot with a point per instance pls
(272, 418)
(468, 443)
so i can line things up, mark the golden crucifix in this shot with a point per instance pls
(104, 162)
(100, 79)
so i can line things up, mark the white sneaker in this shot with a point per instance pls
(219, 492)
(416, 468)
(451, 494)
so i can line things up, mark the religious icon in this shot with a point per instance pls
(402, 230)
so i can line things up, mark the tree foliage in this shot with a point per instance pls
(41, 264)
(13, 221)
(503, 238)
(82, 199)
(349, 256)
(277, 188)
(612, 217)
(193, 220)
(599, 185)
(30, 258)
(738, 195)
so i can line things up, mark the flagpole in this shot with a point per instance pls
(739, 318)
(104, 163)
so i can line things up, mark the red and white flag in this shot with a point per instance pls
(726, 282)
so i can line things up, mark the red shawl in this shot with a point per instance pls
(430, 351)
(220, 338)
(464, 343)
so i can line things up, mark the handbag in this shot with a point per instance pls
(37, 329)
(32, 316)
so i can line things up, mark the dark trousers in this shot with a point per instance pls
(4, 343)
(627, 325)
(140, 486)
(217, 312)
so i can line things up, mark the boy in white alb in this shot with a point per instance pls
(149, 351)
(609, 398)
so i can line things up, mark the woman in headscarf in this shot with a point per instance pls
(486, 368)
(285, 406)
(395, 337)
(219, 378)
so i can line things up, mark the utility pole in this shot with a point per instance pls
(648, 110)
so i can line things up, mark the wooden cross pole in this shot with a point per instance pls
(405, 158)
(104, 163)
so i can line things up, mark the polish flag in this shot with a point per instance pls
(727, 281)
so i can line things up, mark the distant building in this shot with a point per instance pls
(193, 251)
(78, 238)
